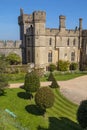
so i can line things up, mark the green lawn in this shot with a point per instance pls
(62, 116)
(19, 78)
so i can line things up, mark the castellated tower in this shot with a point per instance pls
(39, 18)
(32, 34)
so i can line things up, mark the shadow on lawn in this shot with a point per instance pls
(33, 109)
(61, 124)
(23, 95)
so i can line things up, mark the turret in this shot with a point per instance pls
(62, 22)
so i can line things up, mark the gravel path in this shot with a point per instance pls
(75, 89)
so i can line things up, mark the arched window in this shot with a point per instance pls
(50, 56)
(72, 56)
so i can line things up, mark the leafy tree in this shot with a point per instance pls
(82, 114)
(3, 64)
(63, 65)
(44, 98)
(73, 66)
(32, 82)
(3, 78)
(13, 59)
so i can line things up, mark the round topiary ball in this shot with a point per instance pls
(44, 98)
(32, 82)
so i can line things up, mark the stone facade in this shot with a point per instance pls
(42, 46)
(7, 47)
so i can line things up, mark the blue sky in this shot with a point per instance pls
(10, 10)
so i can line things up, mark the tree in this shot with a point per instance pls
(3, 64)
(3, 77)
(63, 65)
(13, 59)
(44, 98)
(73, 66)
(82, 114)
(32, 82)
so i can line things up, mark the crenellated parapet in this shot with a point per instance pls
(10, 44)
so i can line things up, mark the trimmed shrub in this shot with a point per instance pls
(52, 67)
(54, 83)
(63, 65)
(73, 66)
(50, 77)
(32, 82)
(44, 98)
(82, 114)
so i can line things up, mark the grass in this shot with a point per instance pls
(19, 77)
(62, 116)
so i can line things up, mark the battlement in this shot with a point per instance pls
(39, 16)
(10, 44)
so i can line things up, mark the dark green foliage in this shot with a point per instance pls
(3, 83)
(73, 66)
(44, 98)
(63, 65)
(52, 67)
(3, 64)
(82, 114)
(32, 82)
(54, 83)
(50, 77)
(13, 59)
(3, 78)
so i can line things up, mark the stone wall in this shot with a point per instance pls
(7, 47)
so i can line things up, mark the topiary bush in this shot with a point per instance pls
(54, 83)
(50, 77)
(52, 67)
(44, 98)
(82, 114)
(73, 66)
(32, 82)
(63, 65)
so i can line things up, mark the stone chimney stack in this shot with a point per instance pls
(62, 22)
(80, 23)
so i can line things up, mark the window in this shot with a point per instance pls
(74, 42)
(28, 56)
(72, 56)
(68, 42)
(50, 56)
(28, 42)
(50, 41)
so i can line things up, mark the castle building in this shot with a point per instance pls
(43, 46)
